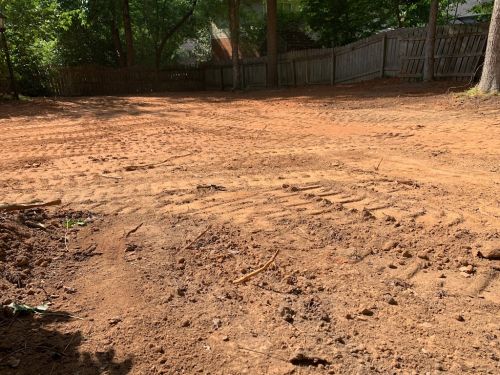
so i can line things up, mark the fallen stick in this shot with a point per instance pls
(263, 353)
(26, 206)
(196, 239)
(112, 177)
(257, 271)
(135, 167)
(134, 230)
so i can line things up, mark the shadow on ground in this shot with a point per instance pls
(108, 107)
(32, 345)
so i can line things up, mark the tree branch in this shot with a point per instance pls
(178, 25)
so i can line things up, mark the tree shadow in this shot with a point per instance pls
(33, 345)
(109, 107)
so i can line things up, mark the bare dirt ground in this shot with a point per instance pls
(383, 200)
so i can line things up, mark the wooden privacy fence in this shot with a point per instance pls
(395, 53)
(92, 80)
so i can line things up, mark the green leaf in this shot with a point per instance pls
(19, 308)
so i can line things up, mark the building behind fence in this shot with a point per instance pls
(396, 53)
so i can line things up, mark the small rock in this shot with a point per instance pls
(407, 254)
(22, 261)
(367, 312)
(288, 314)
(69, 290)
(460, 318)
(131, 247)
(390, 300)
(181, 260)
(490, 251)
(186, 323)
(163, 359)
(349, 317)
(216, 323)
(388, 245)
(115, 320)
(225, 338)
(181, 291)
(422, 255)
(392, 266)
(367, 214)
(467, 269)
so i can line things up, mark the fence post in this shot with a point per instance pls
(242, 74)
(332, 81)
(294, 73)
(222, 77)
(382, 64)
(307, 70)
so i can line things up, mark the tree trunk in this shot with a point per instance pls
(120, 57)
(158, 53)
(129, 38)
(234, 29)
(169, 33)
(272, 44)
(430, 42)
(13, 86)
(490, 78)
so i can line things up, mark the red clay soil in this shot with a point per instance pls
(382, 200)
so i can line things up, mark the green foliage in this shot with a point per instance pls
(71, 223)
(484, 10)
(32, 32)
(46, 34)
(20, 309)
(340, 22)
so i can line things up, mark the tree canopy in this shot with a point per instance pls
(43, 34)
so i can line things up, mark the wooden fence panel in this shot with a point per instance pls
(91, 80)
(255, 76)
(360, 62)
(392, 57)
(459, 50)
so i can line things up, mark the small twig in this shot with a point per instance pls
(66, 226)
(263, 353)
(135, 167)
(257, 271)
(196, 239)
(260, 132)
(378, 165)
(26, 206)
(11, 353)
(112, 177)
(134, 230)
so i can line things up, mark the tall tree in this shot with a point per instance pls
(490, 78)
(272, 43)
(430, 41)
(129, 36)
(234, 30)
(115, 35)
(163, 35)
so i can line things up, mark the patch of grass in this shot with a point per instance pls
(70, 223)
(474, 92)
